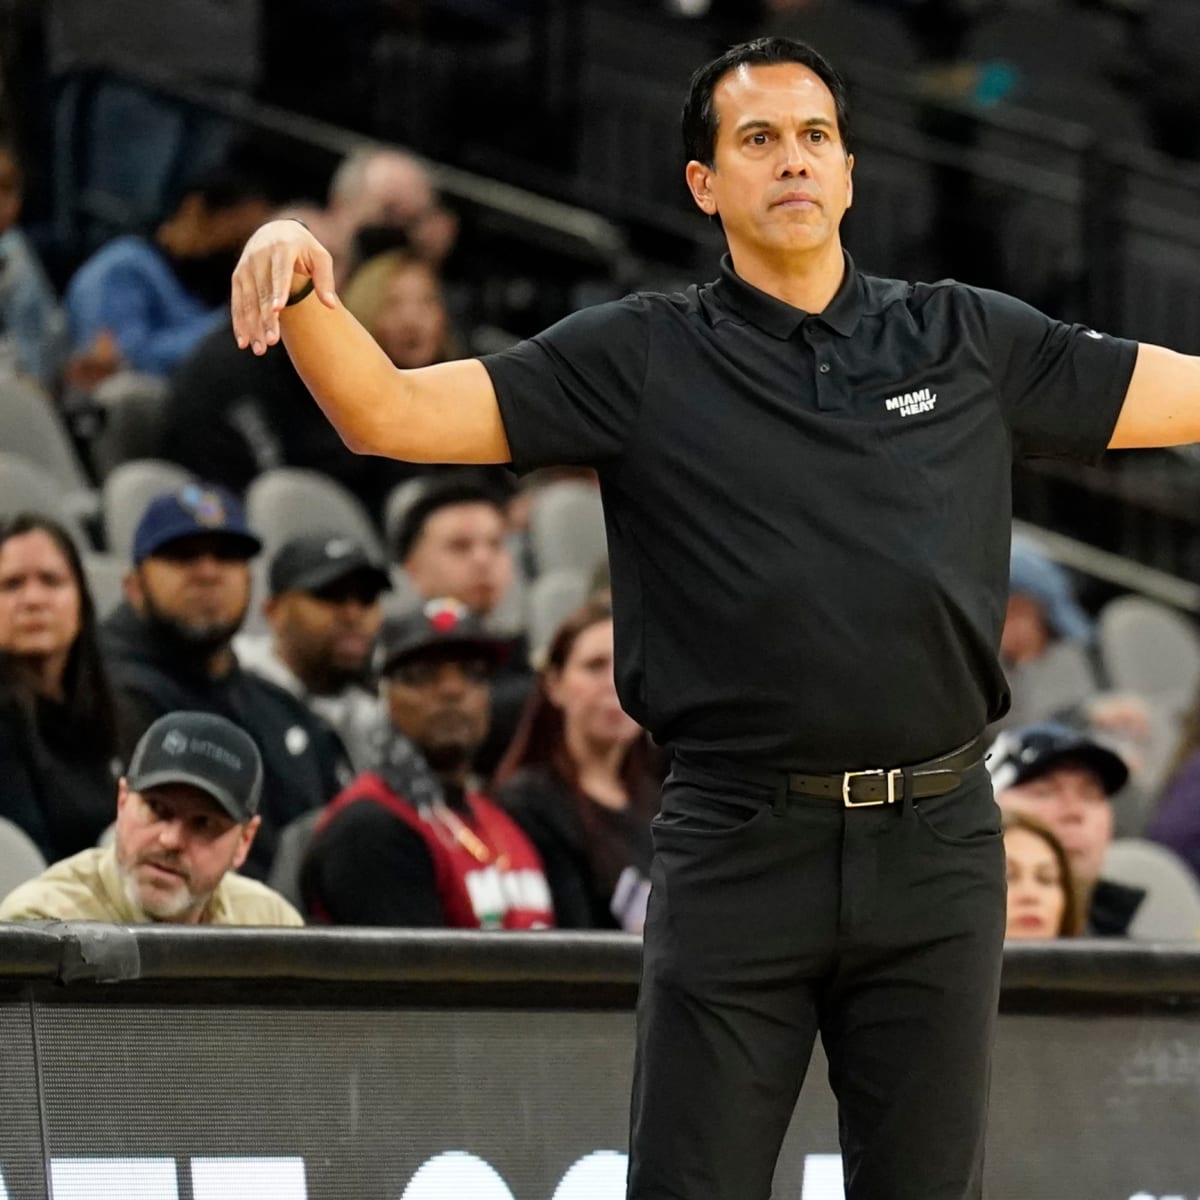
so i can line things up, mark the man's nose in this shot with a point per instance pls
(170, 834)
(792, 163)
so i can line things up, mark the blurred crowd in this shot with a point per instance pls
(249, 677)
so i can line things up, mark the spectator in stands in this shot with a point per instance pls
(325, 611)
(1045, 641)
(1042, 902)
(452, 542)
(58, 725)
(187, 814)
(1175, 823)
(578, 779)
(32, 326)
(169, 648)
(389, 188)
(156, 297)
(231, 416)
(411, 843)
(1065, 779)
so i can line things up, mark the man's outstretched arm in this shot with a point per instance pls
(1162, 403)
(446, 413)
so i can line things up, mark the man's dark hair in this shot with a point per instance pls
(699, 120)
(438, 495)
(219, 188)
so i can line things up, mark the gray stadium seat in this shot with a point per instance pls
(20, 859)
(287, 501)
(294, 841)
(552, 597)
(1149, 649)
(31, 428)
(105, 573)
(25, 486)
(1171, 910)
(126, 493)
(566, 528)
(133, 406)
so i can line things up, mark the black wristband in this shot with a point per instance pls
(298, 222)
(296, 297)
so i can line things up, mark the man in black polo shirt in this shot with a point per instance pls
(806, 481)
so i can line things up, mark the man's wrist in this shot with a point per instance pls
(301, 293)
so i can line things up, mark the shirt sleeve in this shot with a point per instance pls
(570, 395)
(1061, 387)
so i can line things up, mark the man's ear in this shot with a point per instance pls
(849, 180)
(699, 180)
(245, 842)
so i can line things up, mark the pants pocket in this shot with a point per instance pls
(968, 816)
(688, 811)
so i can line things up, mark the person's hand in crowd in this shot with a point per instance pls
(88, 368)
(279, 261)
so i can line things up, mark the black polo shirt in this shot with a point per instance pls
(809, 514)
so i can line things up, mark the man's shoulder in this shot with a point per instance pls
(246, 901)
(68, 890)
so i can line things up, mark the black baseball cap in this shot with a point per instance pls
(203, 750)
(444, 626)
(314, 561)
(195, 508)
(1019, 755)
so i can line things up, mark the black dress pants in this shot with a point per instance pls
(774, 915)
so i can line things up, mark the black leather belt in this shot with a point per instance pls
(862, 789)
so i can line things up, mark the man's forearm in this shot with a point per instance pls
(350, 377)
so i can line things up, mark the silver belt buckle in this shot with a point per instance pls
(892, 776)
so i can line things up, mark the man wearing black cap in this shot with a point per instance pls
(187, 815)
(169, 648)
(325, 612)
(409, 843)
(1067, 780)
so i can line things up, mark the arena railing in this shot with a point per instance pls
(338, 1064)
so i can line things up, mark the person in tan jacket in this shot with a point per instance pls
(187, 813)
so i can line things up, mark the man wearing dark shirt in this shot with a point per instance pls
(805, 474)
(168, 648)
(410, 842)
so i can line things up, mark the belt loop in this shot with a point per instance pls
(906, 799)
(779, 800)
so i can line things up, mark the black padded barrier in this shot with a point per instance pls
(146, 1063)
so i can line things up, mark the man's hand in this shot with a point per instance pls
(278, 260)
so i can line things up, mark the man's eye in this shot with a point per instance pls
(817, 135)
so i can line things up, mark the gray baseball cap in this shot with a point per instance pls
(203, 750)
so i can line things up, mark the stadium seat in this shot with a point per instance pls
(287, 501)
(132, 405)
(105, 573)
(294, 840)
(552, 597)
(20, 859)
(1149, 649)
(1171, 910)
(25, 486)
(566, 528)
(126, 493)
(31, 428)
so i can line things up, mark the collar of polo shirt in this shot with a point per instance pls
(781, 320)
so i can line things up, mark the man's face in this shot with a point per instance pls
(781, 176)
(326, 636)
(398, 191)
(174, 844)
(1071, 800)
(441, 703)
(11, 191)
(461, 553)
(197, 585)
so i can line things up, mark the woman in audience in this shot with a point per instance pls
(57, 718)
(579, 780)
(1176, 822)
(1041, 893)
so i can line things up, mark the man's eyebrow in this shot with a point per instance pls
(754, 123)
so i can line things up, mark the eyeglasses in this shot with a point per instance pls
(423, 672)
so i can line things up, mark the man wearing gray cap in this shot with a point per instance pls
(187, 813)
(325, 611)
